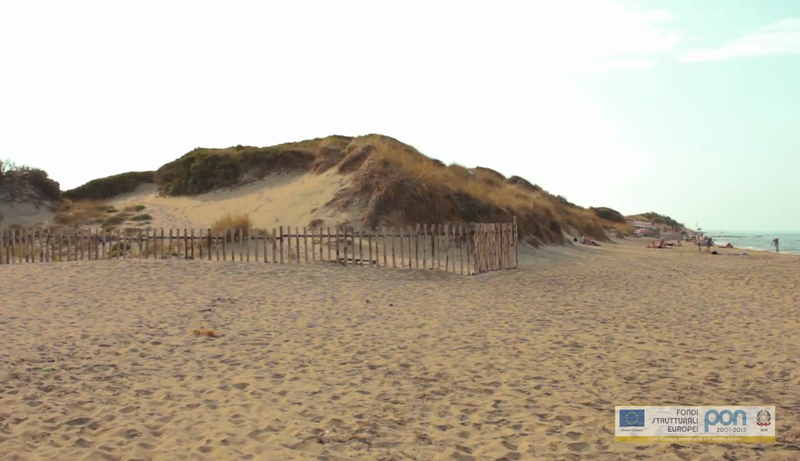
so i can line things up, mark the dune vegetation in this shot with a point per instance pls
(657, 219)
(235, 223)
(392, 183)
(13, 176)
(105, 188)
(397, 182)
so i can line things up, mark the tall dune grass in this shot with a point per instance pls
(233, 222)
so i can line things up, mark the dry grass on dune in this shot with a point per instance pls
(95, 212)
(400, 174)
(233, 222)
(623, 230)
(81, 213)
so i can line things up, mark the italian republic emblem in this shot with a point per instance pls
(763, 418)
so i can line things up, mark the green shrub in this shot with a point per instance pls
(609, 215)
(104, 188)
(203, 170)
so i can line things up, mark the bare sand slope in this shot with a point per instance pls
(335, 363)
(277, 200)
(23, 214)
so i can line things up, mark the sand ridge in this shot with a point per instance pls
(336, 363)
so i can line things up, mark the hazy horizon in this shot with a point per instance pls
(685, 109)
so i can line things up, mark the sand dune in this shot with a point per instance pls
(336, 363)
(293, 199)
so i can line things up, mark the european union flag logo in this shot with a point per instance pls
(631, 418)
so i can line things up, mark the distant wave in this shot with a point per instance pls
(770, 250)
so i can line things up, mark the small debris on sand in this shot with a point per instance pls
(206, 333)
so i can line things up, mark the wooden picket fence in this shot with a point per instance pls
(464, 248)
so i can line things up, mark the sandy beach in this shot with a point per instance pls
(335, 363)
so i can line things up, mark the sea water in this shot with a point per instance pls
(759, 241)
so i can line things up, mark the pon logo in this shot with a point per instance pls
(725, 417)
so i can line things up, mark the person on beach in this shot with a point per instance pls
(587, 241)
(709, 244)
(775, 244)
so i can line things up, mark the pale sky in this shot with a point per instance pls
(682, 107)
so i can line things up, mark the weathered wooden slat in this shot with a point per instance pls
(280, 243)
(240, 241)
(416, 247)
(434, 246)
(469, 244)
(297, 244)
(313, 245)
(385, 257)
(360, 247)
(249, 242)
(274, 246)
(216, 244)
(321, 254)
(394, 262)
(424, 246)
(344, 250)
(446, 237)
(305, 243)
(402, 247)
(516, 243)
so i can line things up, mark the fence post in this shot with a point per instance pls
(249, 241)
(305, 243)
(516, 243)
(394, 261)
(344, 233)
(241, 244)
(482, 243)
(360, 249)
(402, 252)
(460, 248)
(274, 246)
(424, 246)
(41, 246)
(280, 243)
(313, 245)
(494, 247)
(321, 246)
(416, 247)
(337, 243)
(468, 231)
(296, 243)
